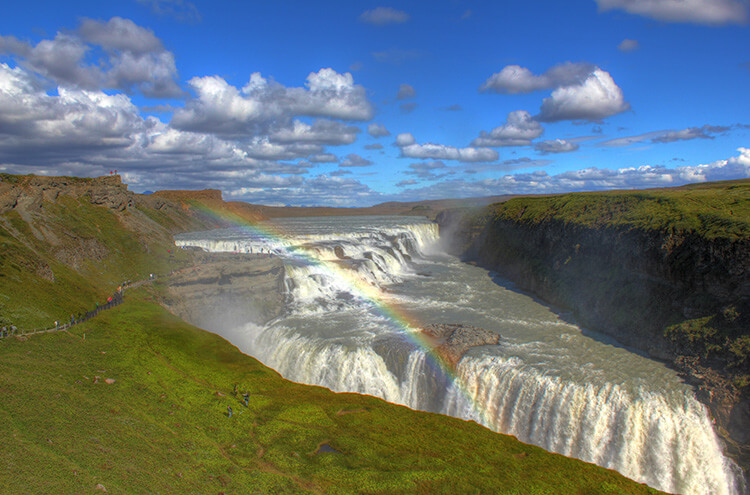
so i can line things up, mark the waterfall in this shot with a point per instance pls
(665, 442)
(334, 336)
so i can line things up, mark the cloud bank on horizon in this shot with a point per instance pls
(352, 105)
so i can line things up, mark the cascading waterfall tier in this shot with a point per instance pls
(663, 440)
(546, 383)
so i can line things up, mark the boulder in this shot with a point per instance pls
(450, 341)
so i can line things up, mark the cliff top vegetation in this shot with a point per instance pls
(712, 210)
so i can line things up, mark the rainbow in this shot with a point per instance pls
(379, 300)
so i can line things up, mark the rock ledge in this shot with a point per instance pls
(451, 340)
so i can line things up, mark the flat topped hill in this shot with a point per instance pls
(210, 202)
(205, 194)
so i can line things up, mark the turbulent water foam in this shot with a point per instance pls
(546, 383)
(650, 438)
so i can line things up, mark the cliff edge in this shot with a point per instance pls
(664, 271)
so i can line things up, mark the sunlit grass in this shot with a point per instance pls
(162, 425)
(711, 210)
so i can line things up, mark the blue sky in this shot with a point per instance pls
(355, 103)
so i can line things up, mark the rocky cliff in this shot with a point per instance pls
(27, 192)
(666, 272)
(225, 290)
(450, 341)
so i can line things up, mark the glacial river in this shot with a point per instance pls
(358, 287)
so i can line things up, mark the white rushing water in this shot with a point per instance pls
(548, 382)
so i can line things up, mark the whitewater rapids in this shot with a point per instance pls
(358, 287)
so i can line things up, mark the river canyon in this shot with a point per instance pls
(358, 290)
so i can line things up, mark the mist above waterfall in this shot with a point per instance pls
(545, 382)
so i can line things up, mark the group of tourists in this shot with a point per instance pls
(8, 330)
(113, 300)
(245, 399)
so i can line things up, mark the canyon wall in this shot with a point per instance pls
(674, 285)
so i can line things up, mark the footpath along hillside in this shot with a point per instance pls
(115, 299)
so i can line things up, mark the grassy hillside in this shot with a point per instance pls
(162, 425)
(72, 254)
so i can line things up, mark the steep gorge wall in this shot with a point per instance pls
(675, 294)
(225, 290)
(627, 283)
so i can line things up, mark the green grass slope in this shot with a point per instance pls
(162, 427)
(70, 256)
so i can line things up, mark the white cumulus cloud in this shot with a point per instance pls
(136, 60)
(519, 129)
(405, 139)
(354, 160)
(377, 130)
(221, 107)
(322, 131)
(73, 120)
(594, 99)
(434, 151)
(556, 146)
(513, 79)
(120, 34)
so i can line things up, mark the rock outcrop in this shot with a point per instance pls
(450, 341)
(226, 290)
(31, 191)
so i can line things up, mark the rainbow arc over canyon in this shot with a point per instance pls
(373, 295)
